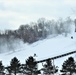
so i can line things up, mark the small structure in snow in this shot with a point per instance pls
(71, 37)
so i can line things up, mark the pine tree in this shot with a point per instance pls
(15, 65)
(1, 68)
(49, 68)
(69, 66)
(31, 66)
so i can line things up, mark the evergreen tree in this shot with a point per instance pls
(15, 66)
(1, 68)
(31, 66)
(69, 66)
(49, 68)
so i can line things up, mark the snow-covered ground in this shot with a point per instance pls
(46, 48)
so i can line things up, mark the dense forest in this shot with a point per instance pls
(39, 30)
(30, 33)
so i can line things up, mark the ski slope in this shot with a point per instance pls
(46, 48)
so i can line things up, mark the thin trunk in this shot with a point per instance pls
(15, 72)
(70, 73)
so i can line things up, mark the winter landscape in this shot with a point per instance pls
(35, 40)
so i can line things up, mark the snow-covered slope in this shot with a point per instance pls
(46, 48)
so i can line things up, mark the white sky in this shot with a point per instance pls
(13, 13)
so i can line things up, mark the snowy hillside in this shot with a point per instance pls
(46, 48)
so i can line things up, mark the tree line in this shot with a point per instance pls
(31, 67)
(41, 29)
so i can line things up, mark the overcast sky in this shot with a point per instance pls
(14, 13)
